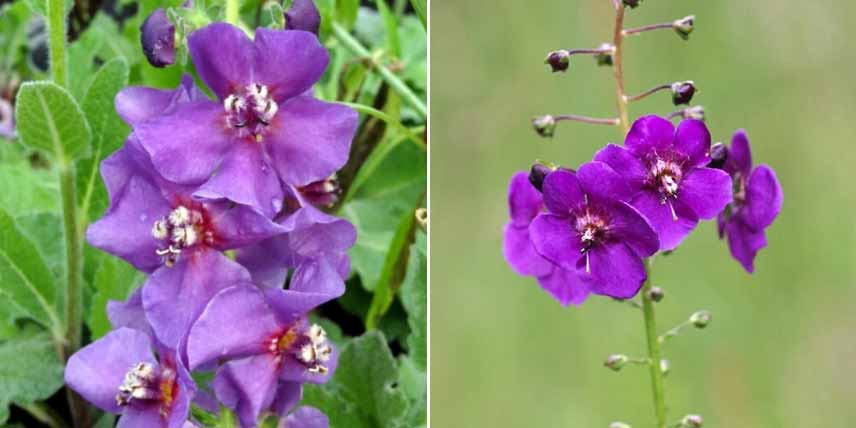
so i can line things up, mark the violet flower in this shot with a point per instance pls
(7, 119)
(119, 373)
(268, 340)
(524, 204)
(157, 35)
(589, 229)
(138, 104)
(303, 15)
(666, 171)
(265, 129)
(757, 201)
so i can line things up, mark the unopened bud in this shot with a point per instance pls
(692, 421)
(538, 173)
(682, 92)
(700, 319)
(615, 362)
(684, 26)
(323, 193)
(303, 15)
(694, 112)
(545, 126)
(605, 58)
(718, 155)
(631, 3)
(656, 294)
(665, 367)
(558, 60)
(157, 35)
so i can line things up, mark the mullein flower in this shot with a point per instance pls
(589, 229)
(266, 127)
(7, 119)
(303, 15)
(157, 35)
(666, 171)
(757, 201)
(120, 374)
(524, 204)
(268, 340)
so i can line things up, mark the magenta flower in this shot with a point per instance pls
(524, 204)
(268, 340)
(665, 169)
(266, 127)
(119, 373)
(589, 229)
(757, 201)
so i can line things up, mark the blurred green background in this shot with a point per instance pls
(781, 351)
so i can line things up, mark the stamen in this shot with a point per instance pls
(674, 214)
(179, 216)
(139, 384)
(159, 230)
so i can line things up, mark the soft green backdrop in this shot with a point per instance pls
(781, 351)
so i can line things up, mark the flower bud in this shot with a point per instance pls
(157, 35)
(665, 367)
(684, 26)
(606, 57)
(538, 173)
(692, 421)
(656, 294)
(694, 112)
(682, 92)
(558, 60)
(323, 193)
(718, 155)
(615, 362)
(545, 126)
(700, 319)
(631, 3)
(303, 15)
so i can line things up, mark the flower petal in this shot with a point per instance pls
(520, 253)
(524, 200)
(129, 313)
(312, 233)
(136, 104)
(599, 181)
(318, 276)
(615, 270)
(562, 192)
(763, 198)
(310, 139)
(291, 306)
(565, 286)
(239, 226)
(554, 238)
(661, 216)
(223, 56)
(739, 159)
(650, 134)
(146, 416)
(624, 163)
(288, 394)
(693, 139)
(628, 225)
(744, 243)
(307, 417)
(247, 386)
(97, 370)
(265, 262)
(706, 191)
(289, 62)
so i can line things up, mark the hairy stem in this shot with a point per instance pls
(593, 120)
(653, 350)
(56, 34)
(649, 92)
(618, 69)
(632, 31)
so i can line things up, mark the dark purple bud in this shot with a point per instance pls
(322, 193)
(695, 112)
(700, 319)
(545, 126)
(684, 26)
(158, 39)
(538, 173)
(615, 362)
(692, 421)
(631, 3)
(682, 92)
(303, 15)
(718, 155)
(558, 60)
(606, 57)
(656, 294)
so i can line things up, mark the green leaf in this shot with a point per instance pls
(422, 10)
(364, 391)
(346, 12)
(25, 277)
(36, 190)
(391, 24)
(108, 133)
(29, 368)
(114, 280)
(51, 121)
(414, 383)
(392, 273)
(45, 231)
(414, 297)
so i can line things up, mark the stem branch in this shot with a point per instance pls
(594, 120)
(637, 30)
(653, 351)
(649, 92)
(618, 69)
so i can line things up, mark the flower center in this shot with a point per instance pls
(592, 228)
(182, 228)
(666, 177)
(250, 110)
(141, 383)
(311, 348)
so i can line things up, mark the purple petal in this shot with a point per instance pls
(318, 276)
(292, 306)
(565, 286)
(289, 62)
(129, 313)
(763, 198)
(520, 253)
(650, 134)
(614, 270)
(239, 226)
(524, 200)
(189, 156)
(313, 232)
(97, 370)
(173, 297)
(661, 216)
(306, 417)
(744, 243)
(601, 182)
(706, 191)
(180, 409)
(288, 394)
(125, 230)
(143, 417)
(310, 139)
(693, 139)
(555, 238)
(137, 104)
(265, 262)
(117, 169)
(247, 386)
(562, 192)
(303, 15)
(223, 56)
(739, 155)
(624, 163)
(630, 226)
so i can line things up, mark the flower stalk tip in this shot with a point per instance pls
(545, 125)
(684, 26)
(700, 319)
(655, 294)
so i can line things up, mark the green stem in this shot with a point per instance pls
(653, 350)
(232, 12)
(44, 414)
(371, 111)
(388, 76)
(56, 32)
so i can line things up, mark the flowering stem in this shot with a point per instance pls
(56, 33)
(653, 350)
(673, 331)
(649, 92)
(232, 12)
(617, 67)
(595, 120)
(662, 25)
(389, 77)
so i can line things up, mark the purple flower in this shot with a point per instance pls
(757, 202)
(7, 119)
(590, 230)
(524, 204)
(157, 35)
(266, 128)
(120, 374)
(303, 15)
(268, 339)
(666, 172)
